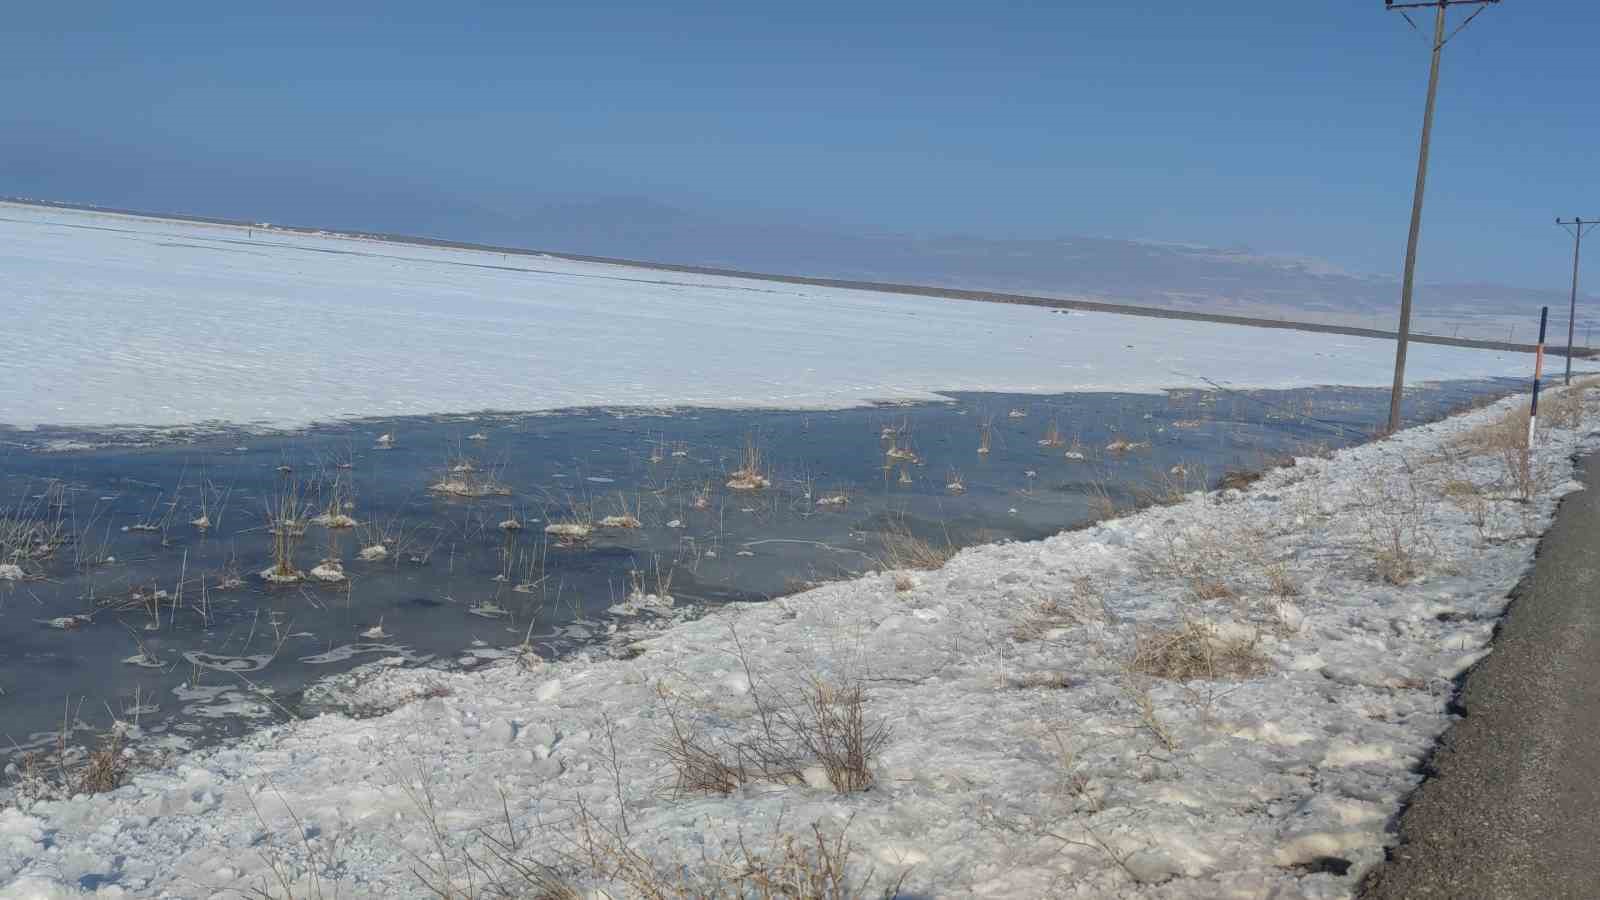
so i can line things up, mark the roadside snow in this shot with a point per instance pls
(121, 321)
(1025, 759)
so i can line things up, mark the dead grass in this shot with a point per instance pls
(1212, 589)
(1393, 514)
(1047, 680)
(830, 725)
(1564, 406)
(1101, 503)
(466, 477)
(1204, 560)
(1506, 439)
(285, 515)
(1522, 473)
(820, 724)
(815, 723)
(1083, 604)
(1281, 581)
(811, 865)
(1459, 489)
(792, 867)
(1196, 650)
(66, 770)
(1052, 436)
(627, 516)
(1239, 479)
(751, 474)
(33, 527)
(1149, 718)
(1170, 486)
(904, 550)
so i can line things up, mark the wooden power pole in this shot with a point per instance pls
(1439, 40)
(1579, 228)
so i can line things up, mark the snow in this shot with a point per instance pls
(1026, 758)
(121, 321)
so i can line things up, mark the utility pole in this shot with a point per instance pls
(1439, 40)
(1579, 228)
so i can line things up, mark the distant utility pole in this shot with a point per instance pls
(1579, 228)
(1439, 40)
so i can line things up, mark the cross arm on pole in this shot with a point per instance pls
(1578, 225)
(1390, 4)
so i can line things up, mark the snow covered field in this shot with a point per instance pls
(120, 321)
(1028, 756)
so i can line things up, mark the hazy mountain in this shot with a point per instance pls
(1187, 276)
(1177, 275)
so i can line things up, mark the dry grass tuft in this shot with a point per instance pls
(1238, 480)
(904, 550)
(1082, 605)
(1149, 719)
(830, 725)
(1281, 582)
(1564, 407)
(1048, 680)
(1196, 650)
(1393, 514)
(1203, 560)
(819, 724)
(1506, 439)
(811, 866)
(1052, 436)
(33, 528)
(751, 474)
(286, 522)
(66, 771)
(1209, 588)
(1460, 489)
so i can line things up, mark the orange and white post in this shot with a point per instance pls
(1538, 370)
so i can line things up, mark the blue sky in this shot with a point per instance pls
(1287, 126)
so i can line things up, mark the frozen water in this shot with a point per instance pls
(149, 323)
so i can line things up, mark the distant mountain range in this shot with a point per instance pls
(1180, 276)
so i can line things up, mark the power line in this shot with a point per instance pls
(1578, 228)
(1439, 40)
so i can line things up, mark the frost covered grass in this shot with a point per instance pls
(1075, 715)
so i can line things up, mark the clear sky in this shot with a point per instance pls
(1285, 126)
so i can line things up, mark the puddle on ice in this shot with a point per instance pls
(554, 527)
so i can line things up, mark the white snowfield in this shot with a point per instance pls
(1025, 760)
(120, 321)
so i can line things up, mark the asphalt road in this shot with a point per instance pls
(1511, 807)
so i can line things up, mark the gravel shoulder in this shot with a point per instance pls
(1511, 807)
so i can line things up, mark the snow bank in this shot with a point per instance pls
(119, 321)
(1025, 758)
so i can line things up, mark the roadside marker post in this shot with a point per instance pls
(1538, 369)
